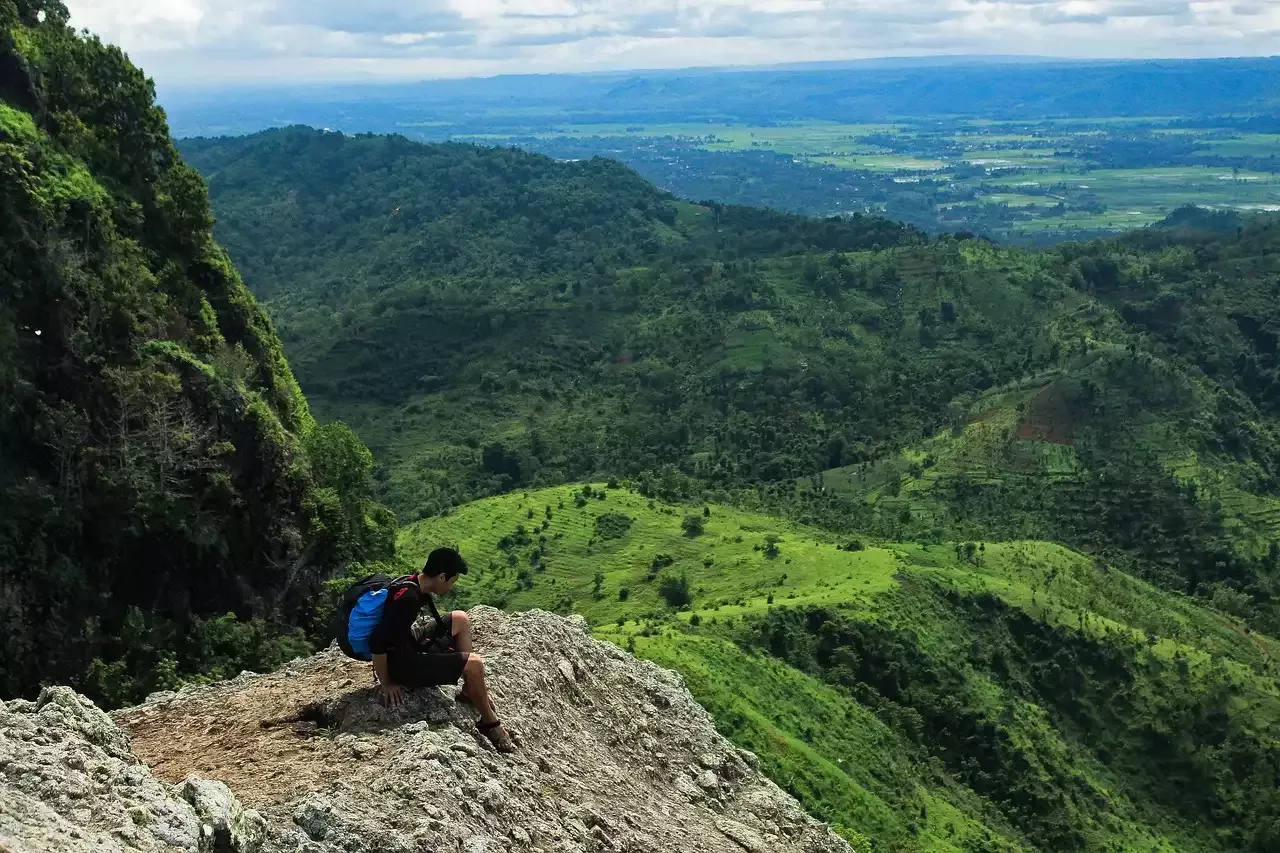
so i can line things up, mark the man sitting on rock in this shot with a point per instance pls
(407, 654)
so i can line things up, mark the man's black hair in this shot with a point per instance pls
(445, 561)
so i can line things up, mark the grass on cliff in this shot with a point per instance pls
(965, 696)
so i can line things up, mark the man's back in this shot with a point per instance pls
(395, 630)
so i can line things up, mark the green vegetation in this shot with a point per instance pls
(959, 696)
(543, 322)
(510, 320)
(847, 449)
(1152, 451)
(168, 503)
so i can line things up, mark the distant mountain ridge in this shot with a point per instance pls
(870, 92)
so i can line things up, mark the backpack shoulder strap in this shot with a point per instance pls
(402, 582)
(435, 614)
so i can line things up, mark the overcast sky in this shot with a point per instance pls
(180, 42)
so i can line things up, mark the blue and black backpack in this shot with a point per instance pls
(361, 611)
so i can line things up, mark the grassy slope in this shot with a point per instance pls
(845, 761)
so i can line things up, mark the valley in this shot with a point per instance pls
(745, 352)
(1029, 151)
(973, 545)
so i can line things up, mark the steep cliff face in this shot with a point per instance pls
(159, 466)
(615, 755)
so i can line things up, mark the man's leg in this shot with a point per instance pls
(479, 690)
(476, 688)
(460, 627)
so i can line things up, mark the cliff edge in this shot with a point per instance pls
(615, 756)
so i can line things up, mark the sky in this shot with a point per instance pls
(208, 42)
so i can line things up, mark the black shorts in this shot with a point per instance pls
(425, 669)
(435, 661)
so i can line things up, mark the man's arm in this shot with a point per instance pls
(380, 669)
(393, 628)
(392, 693)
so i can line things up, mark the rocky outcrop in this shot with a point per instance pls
(615, 756)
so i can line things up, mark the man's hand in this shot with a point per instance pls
(392, 694)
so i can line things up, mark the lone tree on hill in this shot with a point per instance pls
(693, 525)
(675, 591)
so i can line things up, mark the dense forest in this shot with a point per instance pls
(562, 306)
(168, 505)
(489, 319)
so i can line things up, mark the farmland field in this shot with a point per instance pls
(1033, 181)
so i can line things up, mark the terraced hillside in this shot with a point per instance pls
(949, 696)
(1041, 439)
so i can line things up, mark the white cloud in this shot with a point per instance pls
(179, 41)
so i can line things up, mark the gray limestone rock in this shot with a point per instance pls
(614, 755)
(224, 823)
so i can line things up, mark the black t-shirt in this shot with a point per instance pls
(395, 632)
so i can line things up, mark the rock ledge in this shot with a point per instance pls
(615, 756)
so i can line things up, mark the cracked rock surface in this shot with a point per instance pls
(615, 755)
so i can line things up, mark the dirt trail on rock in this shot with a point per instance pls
(256, 738)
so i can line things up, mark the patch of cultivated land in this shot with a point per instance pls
(1067, 178)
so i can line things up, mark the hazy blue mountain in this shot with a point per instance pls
(875, 90)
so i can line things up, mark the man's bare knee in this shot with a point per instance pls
(474, 666)
(460, 622)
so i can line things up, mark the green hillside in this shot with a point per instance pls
(168, 505)
(958, 696)
(491, 320)
(1150, 442)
